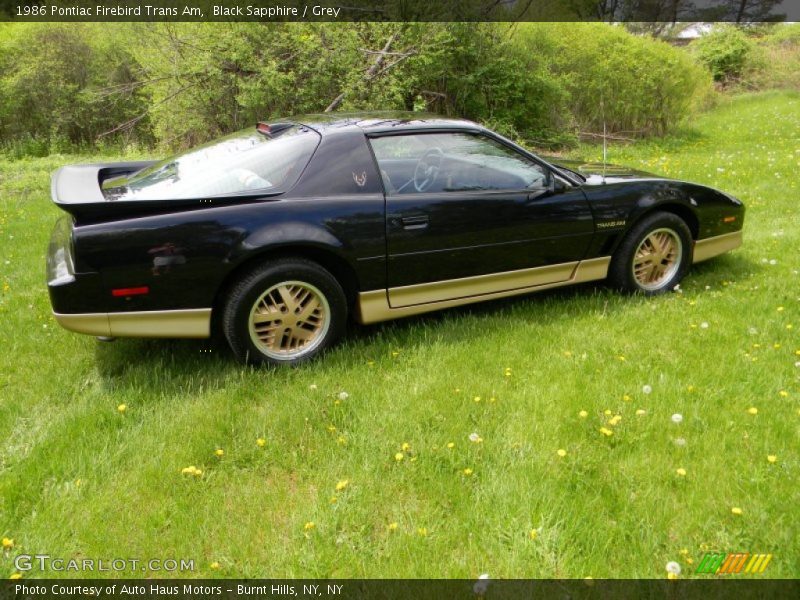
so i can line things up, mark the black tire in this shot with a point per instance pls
(622, 273)
(283, 293)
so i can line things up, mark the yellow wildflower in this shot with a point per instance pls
(467, 471)
(16, 576)
(606, 431)
(783, 394)
(681, 472)
(214, 565)
(615, 420)
(399, 456)
(122, 408)
(752, 410)
(770, 458)
(583, 414)
(422, 531)
(533, 533)
(261, 442)
(8, 543)
(392, 526)
(219, 452)
(450, 445)
(561, 452)
(309, 526)
(342, 485)
(736, 510)
(640, 412)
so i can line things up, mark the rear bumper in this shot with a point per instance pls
(714, 246)
(188, 323)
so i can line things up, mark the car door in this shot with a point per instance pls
(467, 214)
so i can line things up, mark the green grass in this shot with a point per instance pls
(80, 479)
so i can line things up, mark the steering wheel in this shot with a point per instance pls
(427, 169)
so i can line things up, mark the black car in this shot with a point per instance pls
(280, 233)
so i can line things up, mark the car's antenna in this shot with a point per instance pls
(605, 142)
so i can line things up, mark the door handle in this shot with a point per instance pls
(414, 221)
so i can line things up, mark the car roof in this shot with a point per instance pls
(383, 121)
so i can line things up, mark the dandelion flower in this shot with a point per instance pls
(533, 534)
(333, 500)
(671, 576)
(607, 412)
(422, 531)
(482, 585)
(690, 388)
(219, 452)
(467, 471)
(752, 410)
(606, 431)
(736, 511)
(399, 456)
(561, 452)
(214, 565)
(677, 418)
(16, 576)
(313, 387)
(392, 526)
(615, 420)
(770, 458)
(647, 389)
(8, 543)
(475, 438)
(583, 414)
(476, 399)
(684, 552)
(309, 526)
(122, 408)
(783, 394)
(261, 442)
(641, 412)
(405, 447)
(673, 567)
(342, 485)
(450, 445)
(626, 398)
(681, 472)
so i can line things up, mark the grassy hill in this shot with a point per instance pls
(367, 468)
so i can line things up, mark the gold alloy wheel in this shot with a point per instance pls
(289, 320)
(657, 259)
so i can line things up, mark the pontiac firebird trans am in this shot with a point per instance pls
(278, 234)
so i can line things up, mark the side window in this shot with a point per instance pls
(452, 162)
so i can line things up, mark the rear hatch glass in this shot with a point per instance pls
(247, 162)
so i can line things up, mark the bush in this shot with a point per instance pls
(726, 51)
(636, 86)
(56, 82)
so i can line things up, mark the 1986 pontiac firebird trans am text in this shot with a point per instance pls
(277, 235)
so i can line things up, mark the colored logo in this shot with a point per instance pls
(720, 563)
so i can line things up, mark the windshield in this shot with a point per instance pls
(244, 162)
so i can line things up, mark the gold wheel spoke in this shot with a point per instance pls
(288, 319)
(656, 258)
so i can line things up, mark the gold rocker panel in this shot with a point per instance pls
(190, 323)
(374, 306)
(714, 246)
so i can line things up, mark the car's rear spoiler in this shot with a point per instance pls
(77, 189)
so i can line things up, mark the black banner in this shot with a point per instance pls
(740, 11)
(390, 589)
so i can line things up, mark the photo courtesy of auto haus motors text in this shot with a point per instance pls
(399, 299)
